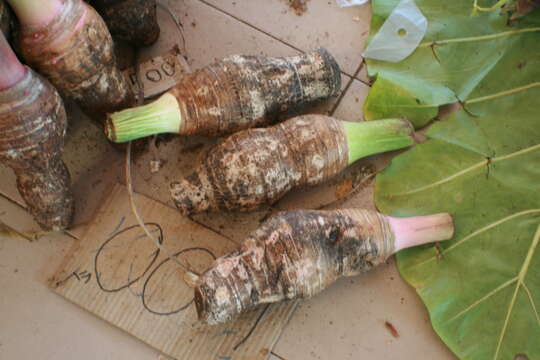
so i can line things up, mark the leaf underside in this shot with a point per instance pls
(482, 164)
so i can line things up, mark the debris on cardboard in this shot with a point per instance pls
(298, 6)
(391, 329)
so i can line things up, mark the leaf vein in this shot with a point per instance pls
(529, 295)
(469, 169)
(521, 277)
(478, 38)
(481, 230)
(503, 93)
(484, 298)
(506, 321)
(444, 180)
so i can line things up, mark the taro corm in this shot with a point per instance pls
(258, 166)
(134, 21)
(236, 93)
(32, 128)
(68, 42)
(297, 254)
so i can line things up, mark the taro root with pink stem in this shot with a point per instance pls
(297, 254)
(32, 128)
(69, 43)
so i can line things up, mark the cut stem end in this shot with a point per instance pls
(11, 69)
(421, 230)
(158, 117)
(374, 137)
(36, 13)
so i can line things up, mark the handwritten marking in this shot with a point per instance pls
(259, 318)
(183, 307)
(129, 283)
(83, 275)
(122, 219)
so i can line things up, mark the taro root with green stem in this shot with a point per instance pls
(236, 93)
(258, 166)
(297, 254)
(68, 42)
(32, 129)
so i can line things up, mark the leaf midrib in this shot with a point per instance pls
(479, 231)
(478, 38)
(520, 283)
(469, 169)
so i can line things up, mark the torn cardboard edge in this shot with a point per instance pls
(160, 73)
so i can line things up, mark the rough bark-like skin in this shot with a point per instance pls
(258, 166)
(242, 91)
(81, 64)
(130, 20)
(293, 255)
(32, 128)
(6, 19)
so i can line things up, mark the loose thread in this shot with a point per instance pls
(138, 217)
(129, 183)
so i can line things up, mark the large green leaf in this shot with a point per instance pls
(482, 164)
(457, 54)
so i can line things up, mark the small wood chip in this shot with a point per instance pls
(155, 166)
(344, 188)
(391, 329)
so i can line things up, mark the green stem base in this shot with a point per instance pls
(378, 136)
(158, 117)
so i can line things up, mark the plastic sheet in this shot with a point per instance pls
(349, 3)
(400, 34)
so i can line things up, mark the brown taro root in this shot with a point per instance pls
(297, 254)
(32, 128)
(68, 42)
(233, 94)
(130, 20)
(258, 166)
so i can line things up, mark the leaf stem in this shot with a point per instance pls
(160, 116)
(420, 230)
(374, 137)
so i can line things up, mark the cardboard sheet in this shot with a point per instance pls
(118, 274)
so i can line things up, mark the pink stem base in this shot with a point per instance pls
(37, 14)
(420, 230)
(11, 69)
